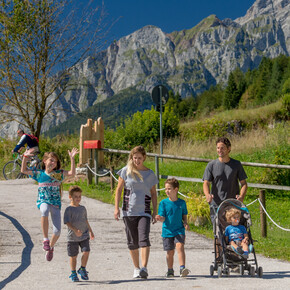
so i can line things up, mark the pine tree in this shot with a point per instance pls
(232, 95)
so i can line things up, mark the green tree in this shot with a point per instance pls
(39, 47)
(210, 99)
(232, 94)
(143, 129)
(263, 80)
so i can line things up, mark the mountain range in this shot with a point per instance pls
(187, 62)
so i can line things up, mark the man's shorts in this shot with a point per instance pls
(73, 247)
(169, 243)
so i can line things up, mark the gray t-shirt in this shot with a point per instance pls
(77, 216)
(225, 178)
(137, 195)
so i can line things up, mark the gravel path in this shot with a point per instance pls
(23, 264)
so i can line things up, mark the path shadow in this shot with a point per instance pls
(26, 252)
(276, 275)
(115, 282)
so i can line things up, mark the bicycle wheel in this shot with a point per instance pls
(12, 170)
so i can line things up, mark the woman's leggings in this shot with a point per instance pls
(55, 216)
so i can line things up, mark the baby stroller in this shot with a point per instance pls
(225, 259)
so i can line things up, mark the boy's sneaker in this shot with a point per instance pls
(170, 273)
(49, 254)
(74, 276)
(136, 273)
(143, 273)
(46, 246)
(238, 250)
(83, 273)
(184, 272)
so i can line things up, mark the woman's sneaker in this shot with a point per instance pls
(83, 273)
(136, 273)
(143, 273)
(49, 255)
(74, 276)
(46, 246)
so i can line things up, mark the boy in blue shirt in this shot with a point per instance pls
(237, 234)
(172, 212)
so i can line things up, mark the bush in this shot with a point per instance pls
(198, 209)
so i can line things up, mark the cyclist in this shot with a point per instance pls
(30, 140)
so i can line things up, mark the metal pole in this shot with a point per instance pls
(161, 133)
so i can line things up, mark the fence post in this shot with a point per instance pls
(112, 180)
(89, 173)
(157, 170)
(263, 214)
(96, 166)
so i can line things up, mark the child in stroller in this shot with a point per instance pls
(236, 234)
(227, 258)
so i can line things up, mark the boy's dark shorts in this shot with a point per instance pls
(73, 247)
(169, 243)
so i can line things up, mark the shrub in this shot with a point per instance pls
(198, 208)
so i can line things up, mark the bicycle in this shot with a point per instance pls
(12, 169)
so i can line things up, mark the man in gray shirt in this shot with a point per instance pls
(224, 175)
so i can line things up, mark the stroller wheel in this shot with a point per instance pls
(227, 271)
(260, 272)
(252, 271)
(219, 271)
(211, 270)
(242, 269)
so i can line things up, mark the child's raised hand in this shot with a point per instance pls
(73, 152)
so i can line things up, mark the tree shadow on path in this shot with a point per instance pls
(26, 252)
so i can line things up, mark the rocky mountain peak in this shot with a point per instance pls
(279, 9)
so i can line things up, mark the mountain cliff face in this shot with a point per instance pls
(187, 61)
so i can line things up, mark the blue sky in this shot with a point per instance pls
(169, 15)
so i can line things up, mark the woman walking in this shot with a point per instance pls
(139, 184)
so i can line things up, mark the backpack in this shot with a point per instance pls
(32, 137)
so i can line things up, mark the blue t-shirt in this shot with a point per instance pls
(235, 233)
(49, 187)
(173, 212)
